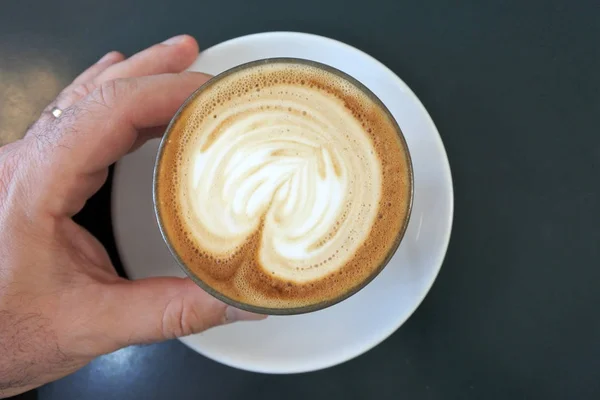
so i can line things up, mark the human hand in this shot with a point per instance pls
(61, 302)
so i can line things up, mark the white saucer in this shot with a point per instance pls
(328, 337)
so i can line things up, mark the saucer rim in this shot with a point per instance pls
(442, 249)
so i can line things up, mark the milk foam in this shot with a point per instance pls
(283, 185)
(288, 162)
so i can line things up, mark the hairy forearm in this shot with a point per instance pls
(14, 390)
(29, 353)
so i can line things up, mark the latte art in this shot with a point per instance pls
(283, 185)
(294, 165)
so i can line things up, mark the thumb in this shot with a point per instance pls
(156, 309)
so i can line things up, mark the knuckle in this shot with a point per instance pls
(70, 95)
(175, 320)
(84, 89)
(110, 91)
(106, 93)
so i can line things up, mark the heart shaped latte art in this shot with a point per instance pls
(292, 165)
(283, 185)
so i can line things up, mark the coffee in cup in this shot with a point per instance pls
(283, 186)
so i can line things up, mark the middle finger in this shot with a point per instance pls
(171, 56)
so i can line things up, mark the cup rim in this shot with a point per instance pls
(292, 310)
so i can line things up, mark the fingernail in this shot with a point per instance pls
(174, 40)
(108, 56)
(233, 314)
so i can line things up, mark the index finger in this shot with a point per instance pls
(116, 117)
(72, 153)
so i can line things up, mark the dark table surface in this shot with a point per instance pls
(514, 88)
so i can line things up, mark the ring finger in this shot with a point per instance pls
(102, 64)
(82, 84)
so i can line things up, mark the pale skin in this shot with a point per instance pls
(61, 302)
